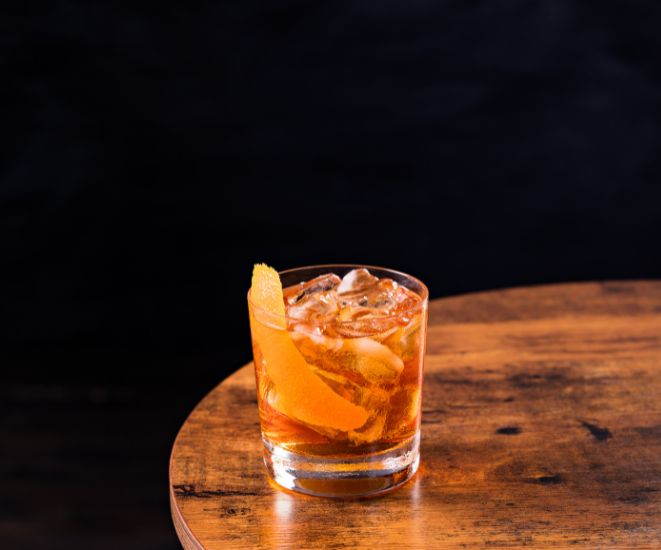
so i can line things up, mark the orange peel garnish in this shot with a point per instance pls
(301, 394)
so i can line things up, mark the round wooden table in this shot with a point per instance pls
(541, 427)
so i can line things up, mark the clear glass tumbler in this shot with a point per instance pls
(339, 389)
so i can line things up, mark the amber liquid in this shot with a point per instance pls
(380, 372)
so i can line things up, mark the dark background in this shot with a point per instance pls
(150, 155)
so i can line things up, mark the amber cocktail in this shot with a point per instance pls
(339, 358)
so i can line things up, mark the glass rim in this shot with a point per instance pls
(424, 291)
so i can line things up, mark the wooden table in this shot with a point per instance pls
(541, 427)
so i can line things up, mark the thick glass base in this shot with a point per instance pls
(344, 477)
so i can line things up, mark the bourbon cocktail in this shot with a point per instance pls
(338, 353)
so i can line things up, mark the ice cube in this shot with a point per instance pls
(370, 432)
(374, 361)
(405, 340)
(309, 341)
(360, 294)
(313, 300)
(363, 324)
(323, 283)
(404, 408)
(373, 399)
(361, 360)
(356, 280)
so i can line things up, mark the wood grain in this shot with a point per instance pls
(541, 428)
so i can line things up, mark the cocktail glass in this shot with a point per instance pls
(339, 379)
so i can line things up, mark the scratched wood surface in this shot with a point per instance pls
(541, 427)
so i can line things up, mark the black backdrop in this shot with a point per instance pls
(150, 155)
